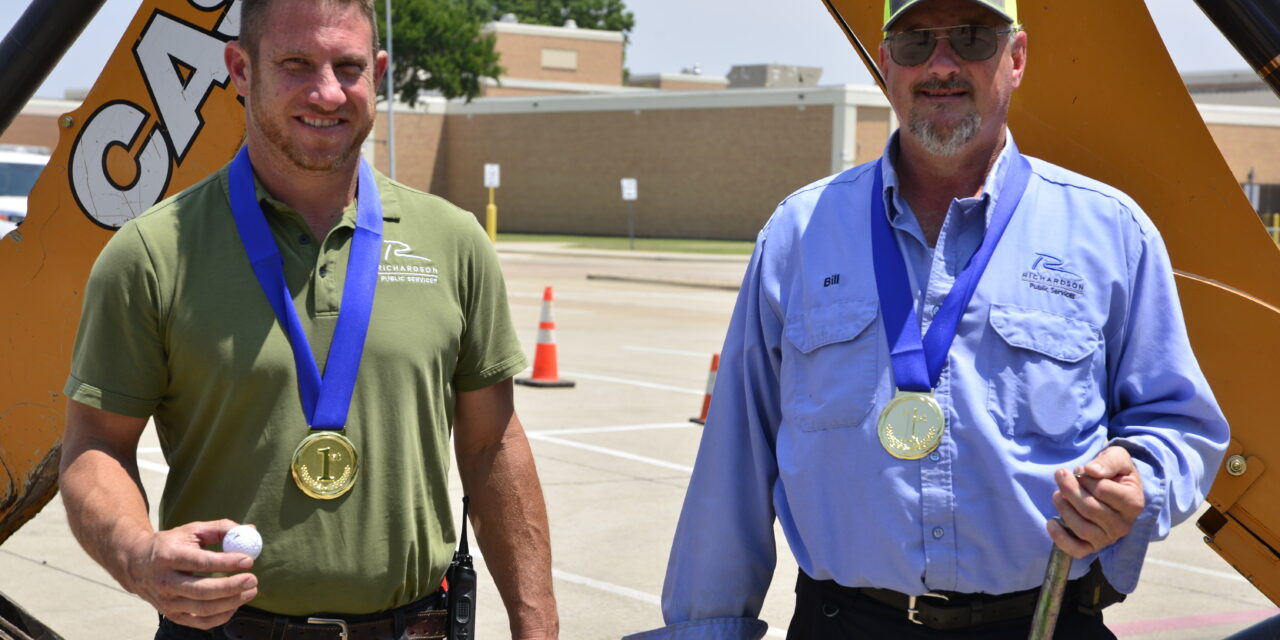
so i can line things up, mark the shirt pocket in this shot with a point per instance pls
(830, 365)
(1044, 380)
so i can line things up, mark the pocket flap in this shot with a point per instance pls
(820, 326)
(1059, 337)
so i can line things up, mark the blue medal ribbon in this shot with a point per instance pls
(325, 402)
(917, 363)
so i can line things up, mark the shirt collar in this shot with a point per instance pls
(894, 205)
(272, 206)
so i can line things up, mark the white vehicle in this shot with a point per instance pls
(19, 168)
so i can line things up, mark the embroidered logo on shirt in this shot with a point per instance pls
(1048, 273)
(400, 250)
(399, 264)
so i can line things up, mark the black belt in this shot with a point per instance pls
(945, 610)
(425, 619)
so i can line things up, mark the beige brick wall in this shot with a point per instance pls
(418, 145)
(598, 62)
(676, 85)
(41, 131)
(1247, 147)
(703, 173)
(498, 92)
(873, 133)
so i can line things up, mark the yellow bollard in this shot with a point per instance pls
(491, 218)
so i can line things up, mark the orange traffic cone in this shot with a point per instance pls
(546, 372)
(711, 384)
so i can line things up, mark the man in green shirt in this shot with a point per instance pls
(177, 326)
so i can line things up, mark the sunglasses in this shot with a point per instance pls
(972, 42)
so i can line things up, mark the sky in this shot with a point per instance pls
(672, 35)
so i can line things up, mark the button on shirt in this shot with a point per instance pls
(1073, 341)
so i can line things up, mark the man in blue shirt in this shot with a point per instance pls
(931, 357)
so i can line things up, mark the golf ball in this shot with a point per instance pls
(243, 539)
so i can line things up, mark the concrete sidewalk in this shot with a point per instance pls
(614, 455)
(564, 249)
(697, 270)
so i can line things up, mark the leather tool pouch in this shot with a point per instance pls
(1095, 593)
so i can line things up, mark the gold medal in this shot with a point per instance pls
(324, 465)
(911, 425)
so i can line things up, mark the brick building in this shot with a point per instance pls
(711, 162)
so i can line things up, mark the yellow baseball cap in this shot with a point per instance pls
(893, 9)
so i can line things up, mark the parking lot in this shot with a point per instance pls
(614, 454)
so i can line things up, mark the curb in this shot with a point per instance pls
(623, 255)
(696, 284)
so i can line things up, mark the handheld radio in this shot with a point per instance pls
(462, 587)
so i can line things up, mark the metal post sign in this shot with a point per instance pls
(629, 195)
(491, 175)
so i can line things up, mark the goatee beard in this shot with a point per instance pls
(945, 141)
(937, 139)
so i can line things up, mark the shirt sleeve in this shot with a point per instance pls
(489, 351)
(723, 555)
(118, 363)
(1163, 413)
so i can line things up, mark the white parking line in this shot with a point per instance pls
(609, 587)
(585, 312)
(628, 592)
(694, 302)
(595, 295)
(157, 467)
(625, 427)
(534, 435)
(634, 383)
(673, 352)
(1186, 567)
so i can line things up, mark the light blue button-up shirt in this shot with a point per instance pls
(1074, 340)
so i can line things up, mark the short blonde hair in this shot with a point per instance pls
(253, 18)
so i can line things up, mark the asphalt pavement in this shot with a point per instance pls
(636, 333)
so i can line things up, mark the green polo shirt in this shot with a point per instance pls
(176, 326)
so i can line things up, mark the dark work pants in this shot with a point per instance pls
(171, 631)
(1268, 629)
(826, 614)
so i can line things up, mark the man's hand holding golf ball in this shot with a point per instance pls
(169, 570)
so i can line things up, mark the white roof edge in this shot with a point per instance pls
(429, 105)
(50, 106)
(852, 95)
(556, 85)
(548, 31)
(680, 77)
(1240, 115)
(639, 98)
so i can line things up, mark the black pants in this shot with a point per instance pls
(170, 630)
(843, 614)
(1268, 629)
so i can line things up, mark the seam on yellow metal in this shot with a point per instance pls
(1243, 294)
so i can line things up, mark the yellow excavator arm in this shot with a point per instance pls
(161, 116)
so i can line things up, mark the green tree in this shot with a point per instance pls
(438, 46)
(610, 15)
